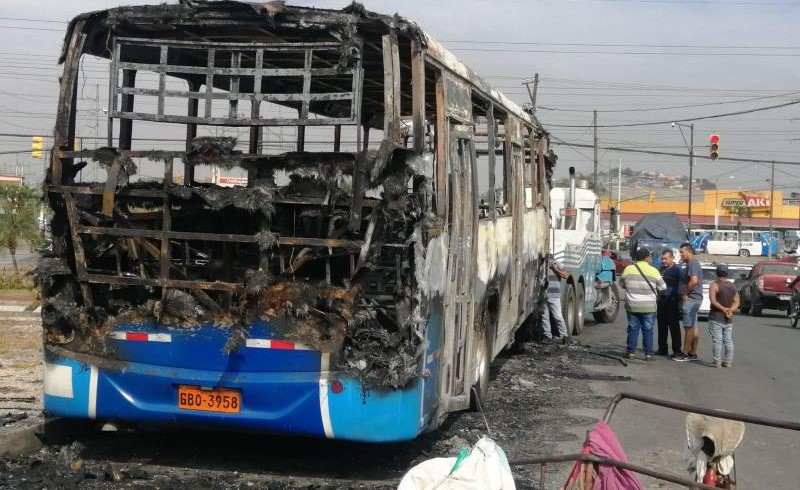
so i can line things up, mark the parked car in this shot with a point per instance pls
(620, 263)
(736, 272)
(767, 286)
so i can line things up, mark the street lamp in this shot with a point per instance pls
(690, 147)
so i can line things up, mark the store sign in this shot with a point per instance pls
(746, 201)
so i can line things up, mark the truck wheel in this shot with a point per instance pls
(580, 297)
(568, 309)
(609, 315)
(744, 308)
(744, 253)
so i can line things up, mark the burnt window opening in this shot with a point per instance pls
(485, 162)
(502, 169)
(530, 174)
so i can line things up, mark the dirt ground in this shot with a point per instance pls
(20, 366)
(527, 410)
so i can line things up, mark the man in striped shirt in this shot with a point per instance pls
(553, 304)
(642, 283)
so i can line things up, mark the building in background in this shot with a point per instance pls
(715, 208)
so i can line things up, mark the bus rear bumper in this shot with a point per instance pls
(317, 404)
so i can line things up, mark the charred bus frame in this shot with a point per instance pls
(385, 259)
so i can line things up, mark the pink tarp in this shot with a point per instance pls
(602, 442)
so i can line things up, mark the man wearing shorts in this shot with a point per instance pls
(691, 294)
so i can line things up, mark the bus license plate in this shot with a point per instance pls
(215, 400)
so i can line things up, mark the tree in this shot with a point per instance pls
(741, 212)
(19, 212)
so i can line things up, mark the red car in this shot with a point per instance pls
(619, 263)
(767, 286)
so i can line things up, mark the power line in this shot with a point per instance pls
(603, 45)
(634, 53)
(700, 118)
(35, 20)
(31, 28)
(677, 106)
(671, 154)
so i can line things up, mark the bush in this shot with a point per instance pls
(11, 280)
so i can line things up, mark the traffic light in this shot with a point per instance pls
(714, 146)
(652, 196)
(37, 146)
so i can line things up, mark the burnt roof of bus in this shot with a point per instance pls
(232, 21)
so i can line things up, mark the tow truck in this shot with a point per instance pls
(590, 288)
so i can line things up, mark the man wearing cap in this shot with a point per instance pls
(724, 301)
(553, 304)
(642, 283)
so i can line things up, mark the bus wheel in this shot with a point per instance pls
(568, 309)
(483, 356)
(580, 297)
(744, 253)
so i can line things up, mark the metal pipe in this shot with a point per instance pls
(750, 419)
(590, 458)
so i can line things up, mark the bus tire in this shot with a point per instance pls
(580, 309)
(477, 396)
(568, 309)
(744, 253)
(609, 314)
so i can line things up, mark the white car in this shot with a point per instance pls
(735, 272)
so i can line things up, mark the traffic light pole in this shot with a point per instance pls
(690, 147)
(691, 173)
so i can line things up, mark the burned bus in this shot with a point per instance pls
(381, 236)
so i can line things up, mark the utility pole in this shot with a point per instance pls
(619, 202)
(594, 177)
(532, 93)
(771, 207)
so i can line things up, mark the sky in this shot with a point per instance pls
(627, 59)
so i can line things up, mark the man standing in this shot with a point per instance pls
(553, 303)
(669, 307)
(691, 294)
(641, 282)
(724, 301)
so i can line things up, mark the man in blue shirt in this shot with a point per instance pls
(691, 294)
(669, 307)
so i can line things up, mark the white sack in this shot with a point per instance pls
(486, 468)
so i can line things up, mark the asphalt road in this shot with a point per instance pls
(763, 381)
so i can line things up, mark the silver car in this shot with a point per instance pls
(735, 273)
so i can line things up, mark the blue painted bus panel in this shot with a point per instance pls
(376, 415)
(273, 402)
